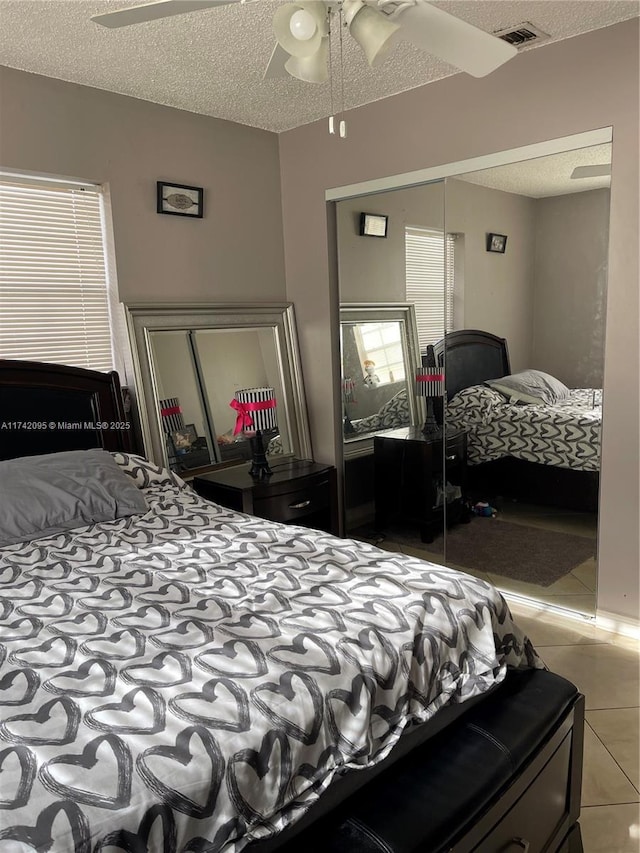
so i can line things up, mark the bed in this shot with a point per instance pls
(177, 676)
(544, 454)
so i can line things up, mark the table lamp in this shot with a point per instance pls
(256, 414)
(430, 385)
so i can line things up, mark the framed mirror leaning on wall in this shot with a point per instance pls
(379, 355)
(190, 360)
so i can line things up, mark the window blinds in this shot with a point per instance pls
(54, 302)
(429, 281)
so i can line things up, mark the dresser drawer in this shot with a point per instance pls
(299, 503)
(535, 817)
(454, 453)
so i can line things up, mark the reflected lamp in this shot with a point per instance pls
(256, 414)
(430, 385)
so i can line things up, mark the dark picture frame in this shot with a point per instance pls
(179, 200)
(183, 439)
(373, 225)
(497, 243)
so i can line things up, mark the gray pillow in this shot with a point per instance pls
(530, 386)
(45, 495)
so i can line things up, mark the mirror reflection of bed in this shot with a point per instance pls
(545, 295)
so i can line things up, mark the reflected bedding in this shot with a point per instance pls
(565, 434)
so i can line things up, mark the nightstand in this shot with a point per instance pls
(298, 492)
(411, 481)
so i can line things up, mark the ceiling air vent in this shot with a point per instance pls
(522, 34)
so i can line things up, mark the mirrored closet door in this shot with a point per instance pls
(530, 287)
(392, 299)
(511, 282)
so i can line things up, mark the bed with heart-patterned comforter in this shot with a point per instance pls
(193, 678)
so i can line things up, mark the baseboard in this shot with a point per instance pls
(618, 624)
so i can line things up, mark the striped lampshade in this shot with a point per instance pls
(171, 414)
(256, 408)
(429, 381)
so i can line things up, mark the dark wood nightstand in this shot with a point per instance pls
(298, 492)
(410, 479)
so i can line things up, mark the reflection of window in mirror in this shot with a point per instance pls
(434, 281)
(380, 351)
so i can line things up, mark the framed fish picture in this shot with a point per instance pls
(180, 200)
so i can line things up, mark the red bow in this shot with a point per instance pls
(244, 419)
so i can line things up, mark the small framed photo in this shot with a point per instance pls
(183, 439)
(373, 225)
(180, 200)
(496, 243)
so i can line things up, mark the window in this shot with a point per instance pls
(54, 299)
(380, 345)
(430, 281)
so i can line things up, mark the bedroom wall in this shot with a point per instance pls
(583, 83)
(234, 254)
(496, 291)
(498, 288)
(572, 236)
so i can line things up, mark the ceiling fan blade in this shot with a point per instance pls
(592, 171)
(447, 37)
(153, 11)
(275, 69)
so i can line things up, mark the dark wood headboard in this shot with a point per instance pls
(470, 357)
(48, 408)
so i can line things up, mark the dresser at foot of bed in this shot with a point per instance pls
(503, 778)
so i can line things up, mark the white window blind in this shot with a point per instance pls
(54, 301)
(429, 281)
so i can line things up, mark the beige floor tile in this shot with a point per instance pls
(422, 554)
(587, 573)
(619, 731)
(611, 829)
(603, 782)
(579, 603)
(550, 629)
(567, 585)
(474, 572)
(551, 518)
(606, 674)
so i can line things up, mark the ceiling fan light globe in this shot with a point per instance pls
(302, 25)
(375, 34)
(310, 69)
(285, 31)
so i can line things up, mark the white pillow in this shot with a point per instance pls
(530, 386)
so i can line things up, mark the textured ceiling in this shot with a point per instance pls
(546, 176)
(211, 62)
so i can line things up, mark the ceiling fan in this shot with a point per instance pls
(598, 171)
(302, 31)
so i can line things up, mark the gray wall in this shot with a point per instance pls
(496, 290)
(546, 295)
(572, 236)
(234, 254)
(568, 87)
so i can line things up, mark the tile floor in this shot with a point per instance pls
(606, 668)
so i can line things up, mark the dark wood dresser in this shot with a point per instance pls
(297, 492)
(420, 482)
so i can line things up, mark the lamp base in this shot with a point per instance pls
(259, 469)
(431, 427)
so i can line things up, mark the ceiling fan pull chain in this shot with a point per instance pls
(332, 121)
(343, 124)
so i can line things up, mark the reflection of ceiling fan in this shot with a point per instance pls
(302, 33)
(600, 171)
